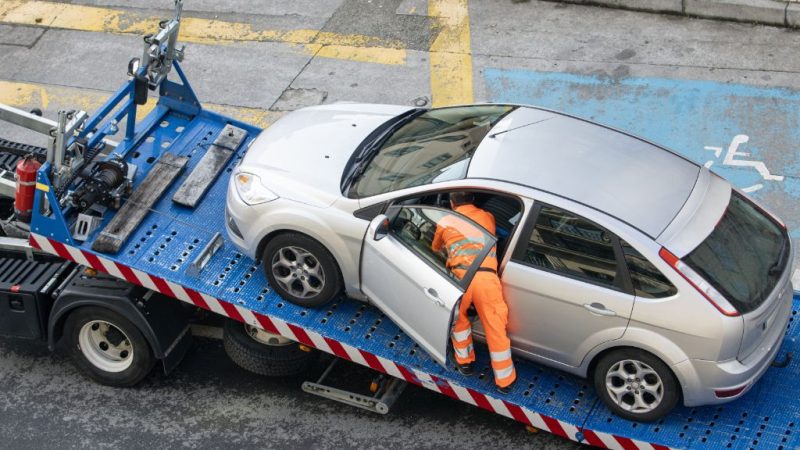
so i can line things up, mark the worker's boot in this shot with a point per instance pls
(507, 389)
(465, 369)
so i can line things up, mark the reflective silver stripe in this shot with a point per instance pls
(468, 251)
(500, 356)
(463, 352)
(461, 336)
(504, 373)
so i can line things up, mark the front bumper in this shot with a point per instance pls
(239, 219)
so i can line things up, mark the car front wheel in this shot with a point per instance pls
(636, 385)
(301, 270)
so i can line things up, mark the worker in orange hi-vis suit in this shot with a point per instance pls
(485, 291)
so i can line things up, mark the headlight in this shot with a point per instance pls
(251, 190)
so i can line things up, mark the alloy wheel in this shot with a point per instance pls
(634, 386)
(298, 272)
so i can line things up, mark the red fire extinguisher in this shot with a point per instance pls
(26, 188)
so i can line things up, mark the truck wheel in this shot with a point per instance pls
(636, 385)
(107, 347)
(264, 353)
(301, 270)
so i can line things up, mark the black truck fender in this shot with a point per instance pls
(164, 322)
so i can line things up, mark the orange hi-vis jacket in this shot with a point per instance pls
(461, 249)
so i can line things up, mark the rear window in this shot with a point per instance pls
(744, 256)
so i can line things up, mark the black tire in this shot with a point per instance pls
(141, 356)
(626, 360)
(281, 359)
(330, 286)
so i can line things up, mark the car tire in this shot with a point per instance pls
(636, 385)
(107, 347)
(264, 353)
(301, 270)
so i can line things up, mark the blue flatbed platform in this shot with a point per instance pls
(159, 252)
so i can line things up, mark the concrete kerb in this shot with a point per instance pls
(782, 13)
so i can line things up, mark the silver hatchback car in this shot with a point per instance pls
(621, 261)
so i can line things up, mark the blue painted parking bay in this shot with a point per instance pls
(161, 249)
(747, 134)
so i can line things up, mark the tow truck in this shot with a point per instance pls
(119, 229)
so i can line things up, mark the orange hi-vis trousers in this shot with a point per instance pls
(486, 293)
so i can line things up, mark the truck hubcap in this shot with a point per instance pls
(634, 386)
(105, 346)
(298, 272)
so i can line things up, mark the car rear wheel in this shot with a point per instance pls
(636, 385)
(301, 270)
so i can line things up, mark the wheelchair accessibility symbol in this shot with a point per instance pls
(731, 159)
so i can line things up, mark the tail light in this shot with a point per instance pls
(703, 287)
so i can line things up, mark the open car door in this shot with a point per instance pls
(409, 281)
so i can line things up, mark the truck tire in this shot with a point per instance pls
(107, 347)
(264, 353)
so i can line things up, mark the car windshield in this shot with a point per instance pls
(744, 256)
(433, 147)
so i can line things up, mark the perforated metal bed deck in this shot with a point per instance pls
(159, 252)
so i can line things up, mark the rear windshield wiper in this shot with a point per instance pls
(777, 267)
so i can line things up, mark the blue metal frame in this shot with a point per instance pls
(52, 221)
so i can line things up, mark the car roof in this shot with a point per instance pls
(626, 177)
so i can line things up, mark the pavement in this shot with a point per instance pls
(782, 13)
(724, 94)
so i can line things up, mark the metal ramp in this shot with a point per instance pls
(160, 251)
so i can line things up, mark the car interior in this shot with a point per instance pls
(507, 211)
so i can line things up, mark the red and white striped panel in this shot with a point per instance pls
(340, 349)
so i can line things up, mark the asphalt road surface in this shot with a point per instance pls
(693, 85)
(208, 402)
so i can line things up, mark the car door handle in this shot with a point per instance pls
(599, 309)
(434, 296)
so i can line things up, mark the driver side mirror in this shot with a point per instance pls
(379, 227)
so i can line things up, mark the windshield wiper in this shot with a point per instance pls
(371, 148)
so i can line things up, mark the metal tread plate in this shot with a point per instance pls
(167, 240)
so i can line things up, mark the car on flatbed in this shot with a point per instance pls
(621, 261)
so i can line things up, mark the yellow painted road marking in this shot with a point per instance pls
(363, 54)
(198, 30)
(30, 95)
(450, 54)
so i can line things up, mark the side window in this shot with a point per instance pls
(648, 282)
(447, 241)
(571, 245)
